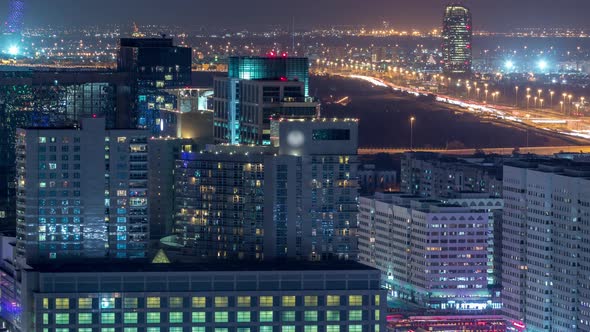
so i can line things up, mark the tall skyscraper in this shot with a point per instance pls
(457, 35)
(256, 90)
(253, 202)
(82, 193)
(42, 98)
(157, 64)
(14, 22)
(546, 252)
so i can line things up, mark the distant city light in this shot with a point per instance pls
(543, 65)
(13, 50)
(509, 65)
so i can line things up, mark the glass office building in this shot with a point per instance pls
(270, 68)
(256, 90)
(49, 98)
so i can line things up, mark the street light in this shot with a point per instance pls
(528, 98)
(412, 119)
(539, 92)
(535, 101)
(516, 99)
(541, 101)
(561, 105)
(551, 93)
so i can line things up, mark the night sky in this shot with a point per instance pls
(494, 15)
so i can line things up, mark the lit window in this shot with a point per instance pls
(121, 139)
(130, 303)
(153, 317)
(288, 329)
(377, 314)
(130, 318)
(266, 301)
(199, 302)
(42, 140)
(198, 329)
(107, 318)
(355, 328)
(265, 316)
(288, 316)
(310, 328)
(45, 303)
(85, 318)
(243, 329)
(355, 315)
(198, 317)
(62, 318)
(45, 318)
(288, 301)
(221, 317)
(130, 329)
(221, 301)
(377, 299)
(85, 329)
(85, 303)
(332, 328)
(310, 316)
(244, 301)
(175, 302)
(153, 329)
(62, 303)
(311, 301)
(107, 303)
(107, 329)
(355, 300)
(333, 315)
(266, 329)
(153, 302)
(175, 329)
(333, 300)
(175, 317)
(377, 328)
(244, 317)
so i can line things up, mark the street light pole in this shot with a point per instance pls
(412, 119)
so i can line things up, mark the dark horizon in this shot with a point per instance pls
(496, 15)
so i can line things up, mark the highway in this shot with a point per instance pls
(539, 150)
(508, 114)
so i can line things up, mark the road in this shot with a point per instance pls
(547, 121)
(539, 150)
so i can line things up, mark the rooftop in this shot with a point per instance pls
(210, 266)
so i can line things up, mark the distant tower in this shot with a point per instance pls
(457, 35)
(14, 22)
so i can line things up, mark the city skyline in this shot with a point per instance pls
(402, 14)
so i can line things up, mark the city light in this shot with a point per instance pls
(543, 65)
(13, 50)
(509, 65)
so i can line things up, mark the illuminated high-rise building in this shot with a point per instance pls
(456, 45)
(256, 90)
(157, 64)
(81, 193)
(254, 202)
(14, 22)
